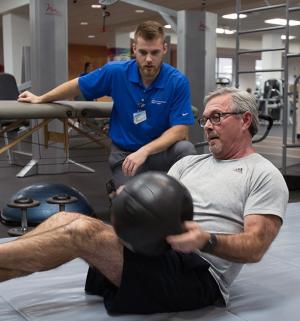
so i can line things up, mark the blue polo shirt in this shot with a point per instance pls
(165, 103)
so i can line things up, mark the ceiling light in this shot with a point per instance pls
(168, 26)
(234, 16)
(96, 6)
(224, 31)
(282, 22)
(84, 23)
(283, 37)
(139, 11)
(91, 36)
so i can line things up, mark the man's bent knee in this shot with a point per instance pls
(85, 231)
(64, 217)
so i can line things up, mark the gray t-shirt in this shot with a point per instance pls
(224, 192)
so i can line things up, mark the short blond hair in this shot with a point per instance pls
(149, 30)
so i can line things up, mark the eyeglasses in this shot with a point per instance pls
(215, 118)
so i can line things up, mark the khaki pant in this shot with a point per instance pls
(158, 162)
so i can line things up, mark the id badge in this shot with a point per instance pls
(139, 117)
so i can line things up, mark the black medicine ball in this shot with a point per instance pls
(151, 206)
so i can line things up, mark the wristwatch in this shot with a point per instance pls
(211, 244)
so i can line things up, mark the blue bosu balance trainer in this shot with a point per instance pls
(52, 198)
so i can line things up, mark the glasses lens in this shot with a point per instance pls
(202, 121)
(215, 118)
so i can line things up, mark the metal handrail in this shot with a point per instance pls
(293, 9)
(293, 55)
(237, 43)
(260, 70)
(261, 29)
(241, 52)
(285, 92)
(269, 119)
(258, 9)
(295, 109)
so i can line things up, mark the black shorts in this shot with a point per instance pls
(169, 283)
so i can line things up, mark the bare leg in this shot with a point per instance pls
(53, 222)
(79, 236)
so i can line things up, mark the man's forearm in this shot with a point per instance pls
(251, 245)
(67, 90)
(239, 248)
(248, 246)
(167, 139)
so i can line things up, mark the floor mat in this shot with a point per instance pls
(268, 290)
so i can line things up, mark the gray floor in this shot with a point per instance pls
(271, 148)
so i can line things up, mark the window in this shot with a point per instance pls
(224, 68)
(258, 76)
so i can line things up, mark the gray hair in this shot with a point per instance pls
(242, 102)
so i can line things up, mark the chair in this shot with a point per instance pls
(9, 91)
(8, 87)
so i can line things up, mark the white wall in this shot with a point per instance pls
(294, 63)
(247, 62)
(16, 34)
(230, 42)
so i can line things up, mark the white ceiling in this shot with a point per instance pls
(124, 18)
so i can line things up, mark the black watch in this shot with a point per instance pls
(211, 244)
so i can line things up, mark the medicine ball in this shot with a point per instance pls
(151, 206)
(41, 192)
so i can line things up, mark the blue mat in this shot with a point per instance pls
(265, 291)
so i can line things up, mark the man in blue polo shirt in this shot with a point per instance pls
(152, 107)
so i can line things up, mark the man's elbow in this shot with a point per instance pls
(183, 133)
(257, 254)
(256, 257)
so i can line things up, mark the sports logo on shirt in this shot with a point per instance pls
(158, 102)
(238, 170)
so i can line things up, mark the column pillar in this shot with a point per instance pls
(49, 68)
(49, 43)
(196, 57)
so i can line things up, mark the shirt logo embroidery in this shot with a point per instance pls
(184, 114)
(158, 102)
(238, 170)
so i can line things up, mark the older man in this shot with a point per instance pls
(239, 197)
(239, 201)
